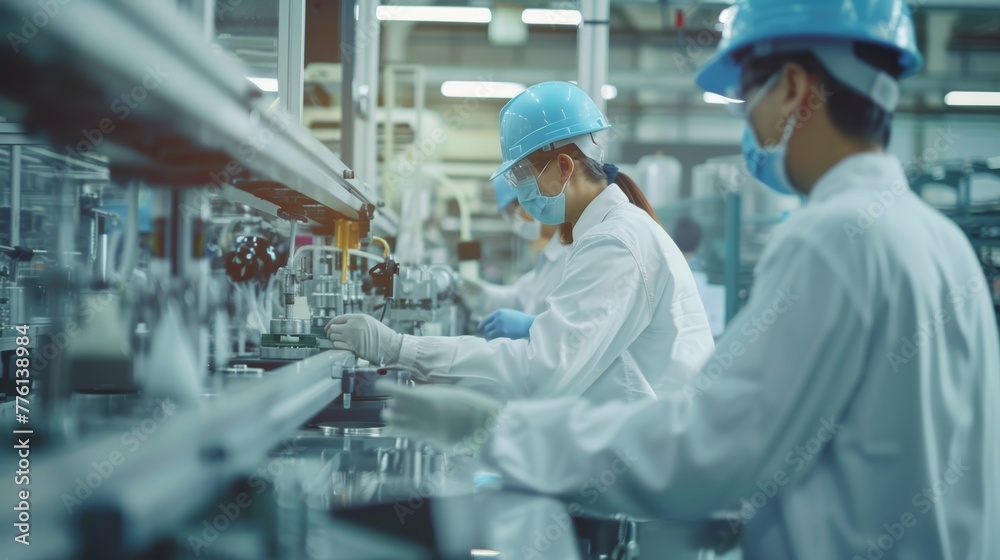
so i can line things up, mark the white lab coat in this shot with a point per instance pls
(528, 293)
(625, 316)
(852, 404)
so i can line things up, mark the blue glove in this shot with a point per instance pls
(506, 323)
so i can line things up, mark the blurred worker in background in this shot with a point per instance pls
(687, 236)
(510, 310)
(626, 312)
(852, 408)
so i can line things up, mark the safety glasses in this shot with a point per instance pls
(522, 171)
(751, 95)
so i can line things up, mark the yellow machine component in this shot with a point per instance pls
(347, 236)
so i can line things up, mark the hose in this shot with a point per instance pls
(383, 243)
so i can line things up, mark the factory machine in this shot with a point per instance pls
(171, 249)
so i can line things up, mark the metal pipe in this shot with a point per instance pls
(291, 56)
(366, 89)
(592, 49)
(101, 260)
(347, 37)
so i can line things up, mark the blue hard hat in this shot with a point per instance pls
(504, 192)
(543, 114)
(765, 23)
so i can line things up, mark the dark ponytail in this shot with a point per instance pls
(635, 196)
(609, 173)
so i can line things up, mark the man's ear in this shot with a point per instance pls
(794, 86)
(566, 166)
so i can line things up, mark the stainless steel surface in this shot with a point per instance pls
(322, 300)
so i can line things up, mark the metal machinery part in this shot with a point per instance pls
(424, 301)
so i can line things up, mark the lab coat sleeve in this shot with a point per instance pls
(514, 296)
(595, 313)
(782, 374)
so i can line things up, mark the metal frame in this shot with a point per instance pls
(205, 100)
(592, 49)
(291, 55)
(181, 468)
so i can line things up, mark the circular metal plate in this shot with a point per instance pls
(289, 326)
(241, 370)
(351, 428)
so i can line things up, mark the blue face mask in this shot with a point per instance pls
(767, 165)
(549, 210)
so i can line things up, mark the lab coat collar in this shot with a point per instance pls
(867, 170)
(598, 209)
(553, 249)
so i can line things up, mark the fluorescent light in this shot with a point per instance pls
(551, 17)
(609, 91)
(487, 90)
(980, 98)
(717, 99)
(265, 84)
(445, 14)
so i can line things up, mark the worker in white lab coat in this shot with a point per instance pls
(510, 310)
(626, 313)
(852, 408)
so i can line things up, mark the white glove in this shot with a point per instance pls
(366, 337)
(452, 419)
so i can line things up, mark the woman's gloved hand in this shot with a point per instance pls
(453, 419)
(506, 323)
(366, 337)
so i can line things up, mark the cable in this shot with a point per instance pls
(385, 306)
